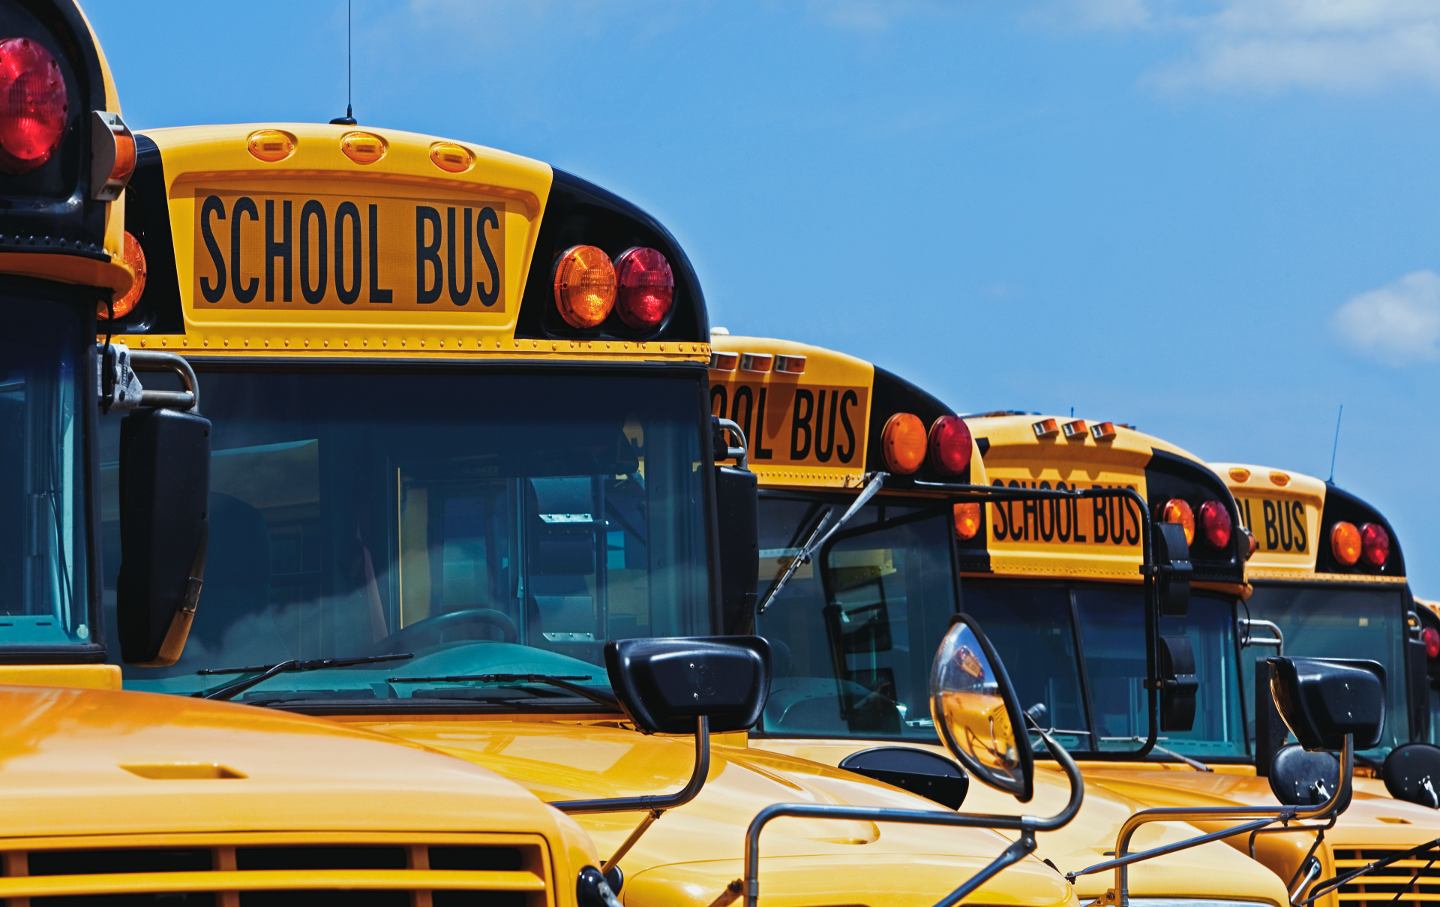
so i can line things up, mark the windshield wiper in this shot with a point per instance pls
(1164, 751)
(824, 529)
(261, 673)
(559, 681)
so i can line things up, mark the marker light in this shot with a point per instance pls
(1177, 511)
(125, 303)
(647, 287)
(1045, 428)
(1345, 543)
(790, 365)
(1239, 473)
(1073, 429)
(1280, 478)
(724, 362)
(1103, 431)
(1252, 544)
(270, 145)
(756, 362)
(967, 520)
(362, 147)
(451, 157)
(949, 444)
(584, 286)
(1215, 524)
(33, 105)
(1431, 637)
(903, 440)
(1374, 544)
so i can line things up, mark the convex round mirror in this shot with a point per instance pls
(977, 713)
(1412, 772)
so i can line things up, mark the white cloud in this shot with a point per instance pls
(1398, 323)
(1276, 45)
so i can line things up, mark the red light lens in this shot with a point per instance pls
(1177, 511)
(1215, 524)
(33, 105)
(950, 445)
(1374, 544)
(647, 287)
(1431, 637)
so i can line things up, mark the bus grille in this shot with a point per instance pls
(514, 873)
(1413, 879)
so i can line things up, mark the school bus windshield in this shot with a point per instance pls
(1090, 639)
(478, 522)
(44, 360)
(1341, 622)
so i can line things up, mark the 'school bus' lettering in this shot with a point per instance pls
(800, 426)
(1278, 525)
(1106, 521)
(281, 251)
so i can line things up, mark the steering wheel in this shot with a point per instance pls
(432, 631)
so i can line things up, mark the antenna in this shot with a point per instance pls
(349, 118)
(1335, 448)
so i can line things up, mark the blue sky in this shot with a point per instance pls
(1216, 220)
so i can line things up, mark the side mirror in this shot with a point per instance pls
(977, 713)
(666, 685)
(1173, 569)
(921, 772)
(164, 495)
(1299, 777)
(1178, 686)
(1412, 772)
(1323, 700)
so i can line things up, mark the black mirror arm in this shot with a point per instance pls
(749, 885)
(655, 805)
(1252, 819)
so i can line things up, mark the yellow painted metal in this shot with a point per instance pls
(85, 676)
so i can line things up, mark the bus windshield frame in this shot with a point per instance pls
(519, 516)
(47, 408)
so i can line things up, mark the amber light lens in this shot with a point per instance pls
(1215, 524)
(950, 445)
(647, 287)
(33, 105)
(967, 520)
(1374, 544)
(1178, 511)
(1345, 543)
(904, 442)
(125, 303)
(584, 286)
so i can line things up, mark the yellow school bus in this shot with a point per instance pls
(1427, 612)
(461, 446)
(852, 627)
(119, 797)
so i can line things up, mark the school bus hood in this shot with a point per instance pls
(1211, 870)
(122, 761)
(802, 881)
(582, 759)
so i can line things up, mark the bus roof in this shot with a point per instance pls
(1292, 517)
(303, 239)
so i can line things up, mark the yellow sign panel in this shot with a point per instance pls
(1280, 525)
(1100, 536)
(790, 425)
(306, 251)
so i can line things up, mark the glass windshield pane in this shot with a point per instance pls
(855, 662)
(1340, 622)
(1032, 629)
(483, 522)
(44, 357)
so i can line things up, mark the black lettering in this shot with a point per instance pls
(280, 249)
(1302, 531)
(212, 207)
(1100, 518)
(1272, 532)
(313, 211)
(1030, 511)
(378, 295)
(349, 294)
(488, 217)
(427, 255)
(800, 424)
(459, 286)
(846, 450)
(717, 400)
(1132, 518)
(758, 440)
(244, 291)
(825, 427)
